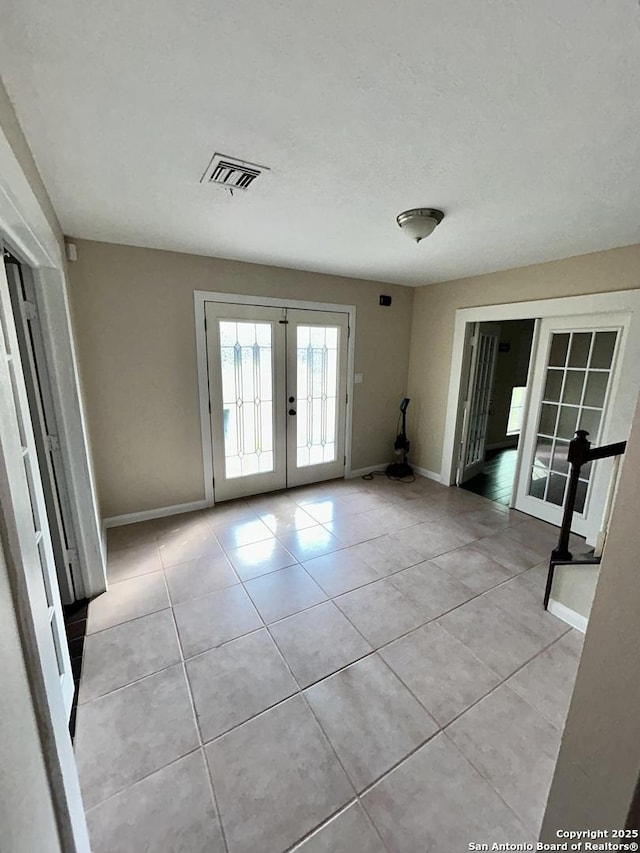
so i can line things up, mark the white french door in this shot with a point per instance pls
(277, 396)
(579, 363)
(484, 351)
(25, 521)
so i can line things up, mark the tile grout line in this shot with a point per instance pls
(196, 723)
(488, 781)
(375, 650)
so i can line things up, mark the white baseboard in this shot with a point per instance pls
(430, 475)
(161, 512)
(576, 620)
(360, 472)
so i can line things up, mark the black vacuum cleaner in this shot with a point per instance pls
(400, 470)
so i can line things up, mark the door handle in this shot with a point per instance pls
(292, 399)
(292, 411)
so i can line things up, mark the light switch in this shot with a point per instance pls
(357, 379)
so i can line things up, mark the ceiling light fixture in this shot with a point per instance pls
(420, 222)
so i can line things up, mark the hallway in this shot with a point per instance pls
(354, 666)
(495, 482)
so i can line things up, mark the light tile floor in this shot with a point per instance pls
(358, 666)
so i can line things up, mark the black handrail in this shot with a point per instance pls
(580, 453)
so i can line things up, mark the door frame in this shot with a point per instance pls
(617, 301)
(30, 237)
(470, 396)
(200, 297)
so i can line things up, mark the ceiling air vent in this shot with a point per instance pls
(231, 173)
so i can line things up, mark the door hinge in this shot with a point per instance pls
(209, 406)
(347, 399)
(30, 310)
(54, 443)
(283, 322)
(344, 460)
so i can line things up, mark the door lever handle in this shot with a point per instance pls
(292, 411)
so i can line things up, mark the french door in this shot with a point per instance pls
(277, 396)
(43, 419)
(484, 350)
(24, 519)
(575, 386)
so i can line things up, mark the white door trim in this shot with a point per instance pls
(30, 236)
(200, 297)
(595, 303)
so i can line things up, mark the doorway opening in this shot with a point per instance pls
(497, 396)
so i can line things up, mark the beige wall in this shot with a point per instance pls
(575, 586)
(599, 762)
(434, 318)
(136, 342)
(27, 821)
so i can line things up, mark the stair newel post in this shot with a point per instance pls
(578, 454)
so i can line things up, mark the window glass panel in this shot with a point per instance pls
(548, 418)
(573, 385)
(596, 389)
(560, 462)
(603, 348)
(553, 385)
(559, 347)
(555, 492)
(580, 345)
(567, 422)
(590, 420)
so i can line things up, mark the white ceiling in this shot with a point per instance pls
(519, 118)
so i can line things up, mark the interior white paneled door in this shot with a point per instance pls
(45, 428)
(316, 395)
(580, 380)
(484, 351)
(277, 397)
(25, 520)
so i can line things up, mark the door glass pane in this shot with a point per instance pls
(548, 418)
(603, 348)
(596, 389)
(590, 420)
(573, 385)
(560, 463)
(553, 385)
(558, 351)
(567, 422)
(317, 389)
(580, 346)
(555, 492)
(577, 375)
(247, 397)
(581, 495)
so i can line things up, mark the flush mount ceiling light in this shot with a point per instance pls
(420, 222)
